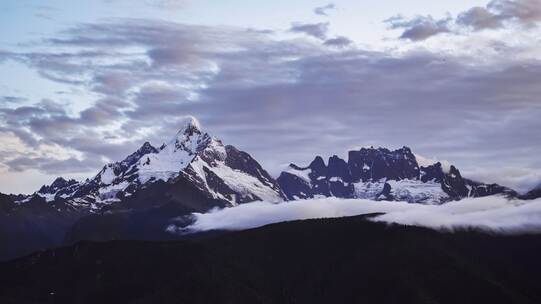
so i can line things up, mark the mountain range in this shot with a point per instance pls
(195, 172)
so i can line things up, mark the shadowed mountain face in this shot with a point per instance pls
(533, 194)
(34, 225)
(345, 260)
(382, 174)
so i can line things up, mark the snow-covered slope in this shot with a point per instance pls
(222, 172)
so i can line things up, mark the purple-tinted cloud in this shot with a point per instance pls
(339, 42)
(419, 28)
(324, 10)
(317, 30)
(496, 14)
(281, 100)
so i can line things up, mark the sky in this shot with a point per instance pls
(84, 83)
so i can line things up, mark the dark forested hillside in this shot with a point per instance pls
(346, 260)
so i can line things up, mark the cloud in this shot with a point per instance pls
(480, 18)
(339, 42)
(420, 27)
(53, 166)
(11, 99)
(525, 12)
(168, 4)
(317, 30)
(519, 179)
(282, 100)
(47, 124)
(494, 214)
(324, 10)
(160, 4)
(497, 14)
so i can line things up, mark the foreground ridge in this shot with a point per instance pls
(343, 260)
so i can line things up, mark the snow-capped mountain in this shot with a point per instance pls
(230, 176)
(382, 174)
(221, 172)
(140, 196)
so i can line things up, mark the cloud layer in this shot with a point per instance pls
(493, 214)
(283, 99)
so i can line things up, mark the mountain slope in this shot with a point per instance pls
(343, 260)
(382, 174)
(34, 225)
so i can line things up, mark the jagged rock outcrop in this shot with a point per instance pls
(382, 174)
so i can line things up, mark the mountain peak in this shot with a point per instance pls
(189, 138)
(187, 135)
(191, 126)
(145, 149)
(59, 181)
(58, 184)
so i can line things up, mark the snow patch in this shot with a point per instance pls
(110, 192)
(417, 191)
(425, 162)
(49, 197)
(367, 190)
(107, 176)
(245, 184)
(302, 174)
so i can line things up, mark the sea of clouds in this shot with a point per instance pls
(495, 214)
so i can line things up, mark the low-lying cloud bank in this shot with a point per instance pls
(495, 214)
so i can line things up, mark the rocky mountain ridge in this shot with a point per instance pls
(382, 174)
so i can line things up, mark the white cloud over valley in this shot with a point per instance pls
(493, 214)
